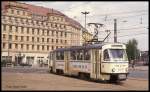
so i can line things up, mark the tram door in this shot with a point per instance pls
(66, 58)
(95, 73)
(52, 61)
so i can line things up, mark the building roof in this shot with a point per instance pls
(39, 10)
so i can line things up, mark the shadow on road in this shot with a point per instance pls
(89, 79)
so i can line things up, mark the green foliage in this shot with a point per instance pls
(132, 50)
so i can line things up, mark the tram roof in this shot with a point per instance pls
(91, 46)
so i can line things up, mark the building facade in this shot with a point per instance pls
(30, 32)
(86, 36)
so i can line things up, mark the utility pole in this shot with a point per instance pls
(8, 59)
(84, 31)
(115, 30)
(107, 34)
(85, 13)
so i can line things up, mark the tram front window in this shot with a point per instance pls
(115, 55)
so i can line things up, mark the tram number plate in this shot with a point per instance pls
(122, 76)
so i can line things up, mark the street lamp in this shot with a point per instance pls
(85, 16)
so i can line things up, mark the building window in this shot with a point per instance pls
(16, 37)
(4, 36)
(42, 39)
(32, 31)
(52, 40)
(47, 39)
(17, 29)
(22, 30)
(32, 47)
(52, 47)
(27, 38)
(65, 41)
(47, 32)
(23, 12)
(38, 47)
(61, 41)
(32, 39)
(21, 20)
(10, 28)
(21, 46)
(57, 34)
(28, 30)
(38, 39)
(38, 31)
(43, 47)
(18, 12)
(47, 47)
(52, 33)
(65, 34)
(10, 37)
(16, 20)
(21, 38)
(27, 46)
(4, 45)
(61, 34)
(42, 32)
(12, 11)
(16, 46)
(56, 40)
(10, 45)
(64, 26)
(4, 27)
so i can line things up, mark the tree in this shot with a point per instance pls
(132, 50)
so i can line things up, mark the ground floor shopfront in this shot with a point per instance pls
(29, 59)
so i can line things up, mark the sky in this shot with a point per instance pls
(132, 18)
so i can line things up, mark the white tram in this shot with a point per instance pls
(98, 61)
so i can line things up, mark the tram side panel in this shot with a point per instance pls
(79, 66)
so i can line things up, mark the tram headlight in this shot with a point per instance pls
(113, 70)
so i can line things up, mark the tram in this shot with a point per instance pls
(107, 61)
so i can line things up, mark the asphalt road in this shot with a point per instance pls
(132, 73)
(25, 70)
(139, 74)
(53, 82)
(25, 78)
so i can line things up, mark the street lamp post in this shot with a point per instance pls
(8, 59)
(85, 16)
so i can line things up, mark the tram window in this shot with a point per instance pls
(106, 55)
(86, 55)
(57, 55)
(73, 55)
(79, 55)
(60, 55)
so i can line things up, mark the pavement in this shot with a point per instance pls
(142, 68)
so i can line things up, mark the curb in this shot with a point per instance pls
(140, 69)
(137, 79)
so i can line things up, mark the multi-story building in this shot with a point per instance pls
(30, 32)
(86, 36)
